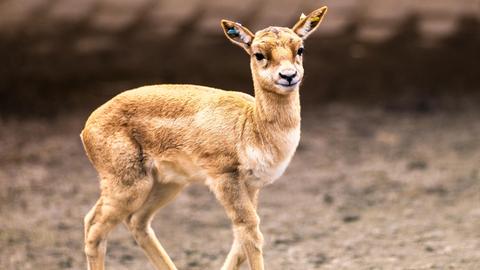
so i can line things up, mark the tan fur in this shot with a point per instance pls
(150, 142)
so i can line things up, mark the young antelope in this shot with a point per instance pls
(148, 143)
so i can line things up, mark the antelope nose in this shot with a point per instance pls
(288, 74)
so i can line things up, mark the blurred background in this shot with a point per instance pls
(386, 174)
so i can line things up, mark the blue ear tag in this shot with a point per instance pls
(233, 32)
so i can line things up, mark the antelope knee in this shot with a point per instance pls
(92, 246)
(249, 234)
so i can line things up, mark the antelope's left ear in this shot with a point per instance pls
(307, 24)
(238, 34)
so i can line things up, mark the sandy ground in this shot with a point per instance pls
(367, 189)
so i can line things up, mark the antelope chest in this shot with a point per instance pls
(266, 163)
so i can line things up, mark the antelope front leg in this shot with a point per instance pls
(236, 257)
(234, 197)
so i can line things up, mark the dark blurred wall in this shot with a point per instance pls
(73, 55)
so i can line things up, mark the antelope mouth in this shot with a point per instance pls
(287, 84)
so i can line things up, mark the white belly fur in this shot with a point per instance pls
(180, 170)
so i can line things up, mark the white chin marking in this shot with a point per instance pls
(287, 85)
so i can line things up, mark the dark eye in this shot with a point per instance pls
(300, 51)
(259, 56)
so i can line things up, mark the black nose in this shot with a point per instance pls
(288, 75)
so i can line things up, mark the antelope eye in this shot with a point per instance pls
(300, 51)
(259, 56)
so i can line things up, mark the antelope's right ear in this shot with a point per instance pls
(238, 34)
(308, 24)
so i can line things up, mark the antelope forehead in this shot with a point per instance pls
(275, 32)
(272, 37)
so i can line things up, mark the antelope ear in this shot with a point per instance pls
(307, 24)
(238, 34)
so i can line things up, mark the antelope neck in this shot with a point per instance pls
(275, 111)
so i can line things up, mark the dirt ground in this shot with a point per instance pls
(368, 189)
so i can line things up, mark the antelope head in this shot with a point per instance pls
(276, 53)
